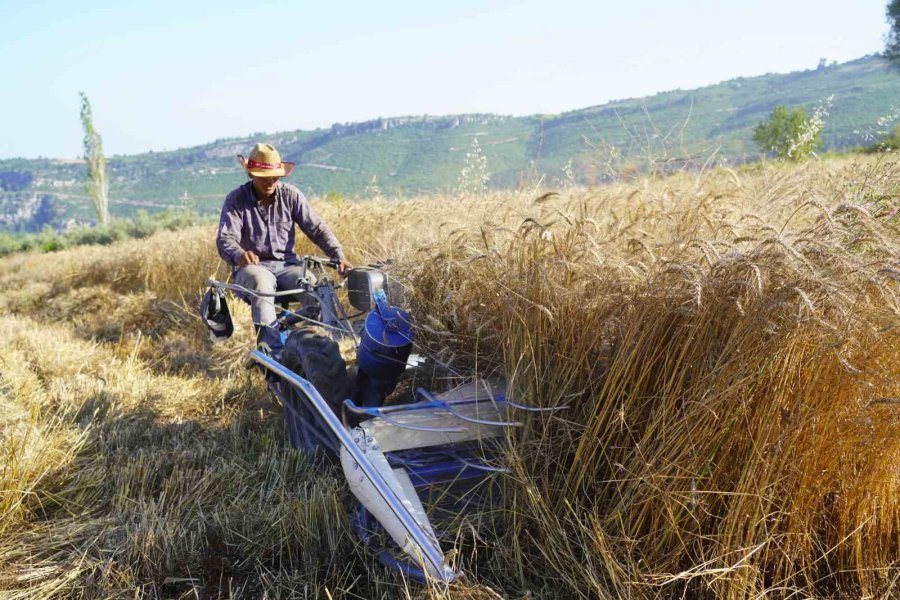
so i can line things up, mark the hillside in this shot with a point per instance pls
(425, 154)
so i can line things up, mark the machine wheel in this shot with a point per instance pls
(311, 353)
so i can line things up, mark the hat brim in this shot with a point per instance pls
(286, 169)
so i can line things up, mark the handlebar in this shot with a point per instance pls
(306, 261)
(221, 285)
(332, 263)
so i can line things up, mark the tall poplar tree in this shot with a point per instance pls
(97, 184)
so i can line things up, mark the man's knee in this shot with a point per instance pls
(255, 277)
(289, 278)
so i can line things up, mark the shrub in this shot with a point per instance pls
(890, 142)
(789, 134)
(143, 225)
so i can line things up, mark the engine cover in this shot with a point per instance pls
(362, 283)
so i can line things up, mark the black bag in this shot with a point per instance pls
(215, 315)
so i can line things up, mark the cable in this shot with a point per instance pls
(264, 296)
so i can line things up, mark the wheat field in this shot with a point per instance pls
(727, 344)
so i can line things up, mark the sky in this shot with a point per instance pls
(163, 75)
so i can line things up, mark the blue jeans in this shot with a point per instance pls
(268, 276)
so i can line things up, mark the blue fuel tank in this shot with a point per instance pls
(384, 348)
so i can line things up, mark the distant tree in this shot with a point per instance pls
(14, 181)
(97, 185)
(892, 42)
(46, 214)
(789, 134)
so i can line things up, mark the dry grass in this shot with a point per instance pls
(728, 345)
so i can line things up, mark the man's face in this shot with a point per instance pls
(264, 186)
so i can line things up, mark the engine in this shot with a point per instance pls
(385, 341)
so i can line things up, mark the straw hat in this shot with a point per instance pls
(265, 161)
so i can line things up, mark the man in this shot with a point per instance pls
(256, 231)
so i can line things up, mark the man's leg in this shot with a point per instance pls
(287, 277)
(260, 279)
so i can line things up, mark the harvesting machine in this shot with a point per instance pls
(407, 463)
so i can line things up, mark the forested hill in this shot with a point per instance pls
(427, 153)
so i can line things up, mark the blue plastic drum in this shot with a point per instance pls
(385, 346)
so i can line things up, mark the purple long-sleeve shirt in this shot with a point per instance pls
(269, 232)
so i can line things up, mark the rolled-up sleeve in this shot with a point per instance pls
(316, 229)
(228, 239)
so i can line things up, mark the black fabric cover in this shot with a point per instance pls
(216, 316)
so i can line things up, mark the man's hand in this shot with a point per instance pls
(248, 258)
(344, 267)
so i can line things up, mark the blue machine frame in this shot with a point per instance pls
(397, 452)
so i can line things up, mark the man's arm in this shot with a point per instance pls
(228, 240)
(316, 229)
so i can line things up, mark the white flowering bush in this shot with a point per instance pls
(373, 190)
(570, 179)
(885, 135)
(809, 136)
(474, 176)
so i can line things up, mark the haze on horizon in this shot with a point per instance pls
(162, 75)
